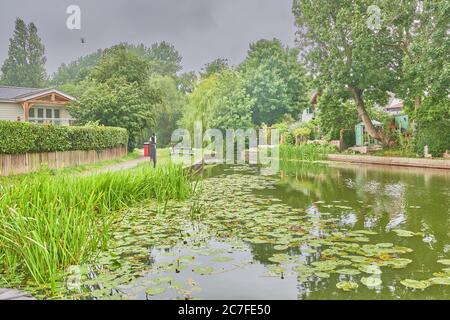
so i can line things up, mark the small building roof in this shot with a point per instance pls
(18, 94)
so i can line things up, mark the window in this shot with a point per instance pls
(56, 113)
(40, 113)
(31, 113)
(48, 113)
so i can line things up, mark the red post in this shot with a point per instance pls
(146, 149)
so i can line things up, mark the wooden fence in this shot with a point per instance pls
(31, 162)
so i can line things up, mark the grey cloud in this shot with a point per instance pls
(201, 30)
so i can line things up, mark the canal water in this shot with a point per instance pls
(310, 232)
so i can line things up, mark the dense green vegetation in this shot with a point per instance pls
(404, 51)
(23, 137)
(308, 152)
(48, 223)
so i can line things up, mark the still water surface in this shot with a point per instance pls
(298, 235)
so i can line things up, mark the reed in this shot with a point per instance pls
(48, 223)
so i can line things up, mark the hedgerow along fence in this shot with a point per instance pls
(26, 147)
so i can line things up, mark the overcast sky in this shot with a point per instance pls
(201, 30)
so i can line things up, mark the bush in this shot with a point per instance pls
(23, 137)
(307, 152)
(434, 135)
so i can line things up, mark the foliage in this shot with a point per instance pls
(23, 137)
(302, 133)
(167, 105)
(115, 103)
(432, 122)
(335, 113)
(344, 53)
(76, 71)
(25, 64)
(214, 67)
(275, 79)
(120, 62)
(50, 223)
(308, 152)
(164, 59)
(426, 65)
(220, 101)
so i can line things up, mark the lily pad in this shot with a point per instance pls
(415, 284)
(281, 247)
(350, 272)
(347, 285)
(444, 262)
(153, 291)
(404, 233)
(372, 269)
(371, 282)
(203, 270)
(441, 281)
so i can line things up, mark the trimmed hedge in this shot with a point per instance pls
(24, 137)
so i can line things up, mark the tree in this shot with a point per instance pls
(115, 102)
(25, 64)
(426, 67)
(343, 52)
(276, 79)
(231, 107)
(78, 70)
(167, 104)
(120, 61)
(214, 67)
(164, 59)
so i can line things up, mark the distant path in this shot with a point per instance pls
(119, 166)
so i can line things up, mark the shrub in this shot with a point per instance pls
(23, 137)
(434, 135)
(307, 152)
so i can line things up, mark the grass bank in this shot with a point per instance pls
(48, 223)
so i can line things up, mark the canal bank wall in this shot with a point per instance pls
(392, 161)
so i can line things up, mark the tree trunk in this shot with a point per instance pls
(375, 133)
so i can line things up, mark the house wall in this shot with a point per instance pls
(10, 111)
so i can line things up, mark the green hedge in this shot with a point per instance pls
(435, 135)
(23, 137)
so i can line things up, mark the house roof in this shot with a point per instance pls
(19, 94)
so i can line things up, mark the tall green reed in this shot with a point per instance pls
(48, 223)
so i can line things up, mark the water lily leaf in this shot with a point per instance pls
(415, 284)
(441, 281)
(203, 270)
(323, 275)
(444, 262)
(153, 291)
(372, 269)
(371, 282)
(347, 285)
(349, 272)
(281, 247)
(404, 233)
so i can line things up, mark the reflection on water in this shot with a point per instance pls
(293, 236)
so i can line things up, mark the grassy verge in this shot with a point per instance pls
(307, 152)
(48, 223)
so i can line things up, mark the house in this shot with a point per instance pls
(395, 106)
(35, 105)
